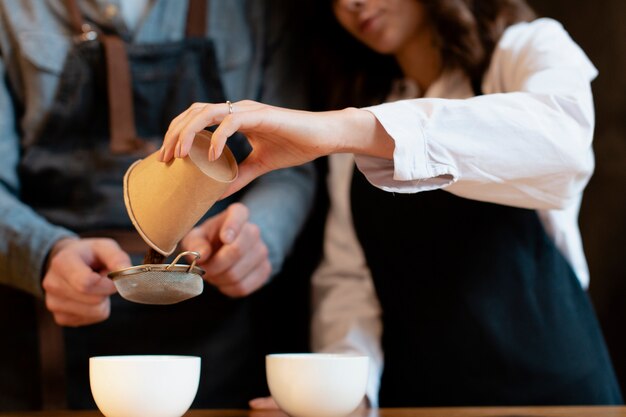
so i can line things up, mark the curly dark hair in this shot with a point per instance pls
(466, 31)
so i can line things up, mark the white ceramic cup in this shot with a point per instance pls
(144, 385)
(317, 384)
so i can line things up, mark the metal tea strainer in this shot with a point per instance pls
(160, 283)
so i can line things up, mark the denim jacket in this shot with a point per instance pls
(253, 52)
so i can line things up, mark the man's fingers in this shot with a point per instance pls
(68, 312)
(56, 286)
(69, 320)
(246, 245)
(237, 216)
(80, 276)
(109, 253)
(246, 265)
(250, 283)
(197, 241)
(77, 265)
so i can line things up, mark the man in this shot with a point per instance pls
(69, 127)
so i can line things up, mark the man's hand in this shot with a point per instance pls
(76, 287)
(232, 252)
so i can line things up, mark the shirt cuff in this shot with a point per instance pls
(410, 171)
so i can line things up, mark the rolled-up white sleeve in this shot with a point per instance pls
(346, 311)
(526, 142)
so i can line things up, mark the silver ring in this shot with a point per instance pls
(230, 107)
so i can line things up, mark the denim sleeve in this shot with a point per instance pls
(281, 201)
(279, 204)
(25, 237)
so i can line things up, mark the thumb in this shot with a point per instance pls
(199, 240)
(236, 217)
(111, 255)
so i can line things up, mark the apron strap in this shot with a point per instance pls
(196, 18)
(120, 92)
(119, 85)
(122, 129)
(76, 18)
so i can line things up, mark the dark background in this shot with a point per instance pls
(600, 29)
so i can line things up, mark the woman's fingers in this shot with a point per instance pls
(171, 136)
(207, 116)
(183, 129)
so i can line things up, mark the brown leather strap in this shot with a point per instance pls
(52, 359)
(119, 85)
(76, 17)
(196, 18)
(120, 92)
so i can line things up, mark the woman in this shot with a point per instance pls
(481, 279)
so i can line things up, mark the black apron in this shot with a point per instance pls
(479, 306)
(70, 176)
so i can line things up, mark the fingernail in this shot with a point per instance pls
(211, 153)
(161, 153)
(229, 235)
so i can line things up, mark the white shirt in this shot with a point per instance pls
(525, 143)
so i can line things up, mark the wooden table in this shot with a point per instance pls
(388, 412)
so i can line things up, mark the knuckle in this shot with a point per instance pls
(254, 230)
(83, 285)
(237, 290)
(264, 251)
(107, 243)
(63, 320)
(206, 111)
(186, 131)
(235, 251)
(57, 261)
(240, 208)
(50, 304)
(229, 277)
(104, 310)
(47, 284)
(266, 269)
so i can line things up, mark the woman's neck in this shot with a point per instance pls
(420, 59)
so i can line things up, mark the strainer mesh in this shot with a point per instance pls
(159, 287)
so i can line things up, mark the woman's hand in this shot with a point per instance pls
(280, 138)
(263, 403)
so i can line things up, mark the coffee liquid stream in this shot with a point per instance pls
(153, 257)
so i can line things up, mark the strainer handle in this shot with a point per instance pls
(180, 255)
